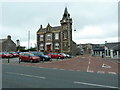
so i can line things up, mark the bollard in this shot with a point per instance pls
(19, 60)
(8, 60)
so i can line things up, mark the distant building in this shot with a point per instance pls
(98, 49)
(112, 49)
(87, 48)
(7, 44)
(58, 38)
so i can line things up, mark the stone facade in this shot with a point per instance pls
(7, 44)
(59, 38)
(112, 49)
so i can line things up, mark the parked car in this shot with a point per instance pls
(65, 55)
(56, 55)
(2, 55)
(15, 54)
(68, 56)
(6, 55)
(42, 56)
(29, 57)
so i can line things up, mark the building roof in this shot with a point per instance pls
(51, 28)
(98, 47)
(2, 40)
(114, 45)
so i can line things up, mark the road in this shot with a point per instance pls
(18, 76)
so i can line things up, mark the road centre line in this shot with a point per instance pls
(98, 85)
(26, 75)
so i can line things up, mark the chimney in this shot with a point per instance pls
(9, 37)
(18, 42)
(40, 26)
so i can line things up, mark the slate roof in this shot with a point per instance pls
(114, 46)
(51, 29)
(2, 40)
(98, 47)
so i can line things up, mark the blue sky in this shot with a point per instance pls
(95, 22)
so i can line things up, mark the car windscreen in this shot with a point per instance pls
(40, 53)
(31, 54)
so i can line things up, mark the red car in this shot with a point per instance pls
(5, 55)
(29, 57)
(2, 55)
(14, 54)
(56, 55)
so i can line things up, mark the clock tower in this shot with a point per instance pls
(66, 31)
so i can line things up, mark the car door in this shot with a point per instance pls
(55, 55)
(26, 57)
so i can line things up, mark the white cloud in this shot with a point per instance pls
(97, 31)
(96, 41)
(89, 32)
(94, 22)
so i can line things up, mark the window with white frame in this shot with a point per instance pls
(41, 37)
(41, 47)
(56, 45)
(56, 35)
(49, 36)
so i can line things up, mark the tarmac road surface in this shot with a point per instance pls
(18, 76)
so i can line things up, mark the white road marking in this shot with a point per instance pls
(112, 72)
(106, 66)
(101, 72)
(26, 75)
(98, 85)
(90, 71)
(88, 68)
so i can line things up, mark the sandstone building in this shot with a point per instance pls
(58, 38)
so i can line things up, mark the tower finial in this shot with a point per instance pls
(65, 11)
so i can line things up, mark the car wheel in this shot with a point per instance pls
(43, 59)
(59, 57)
(31, 61)
(21, 60)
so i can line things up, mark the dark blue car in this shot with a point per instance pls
(42, 56)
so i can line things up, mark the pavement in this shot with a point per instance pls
(84, 63)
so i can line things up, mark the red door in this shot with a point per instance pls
(49, 47)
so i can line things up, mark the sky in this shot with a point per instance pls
(95, 22)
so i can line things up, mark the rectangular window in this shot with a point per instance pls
(41, 37)
(56, 45)
(57, 36)
(41, 47)
(49, 36)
